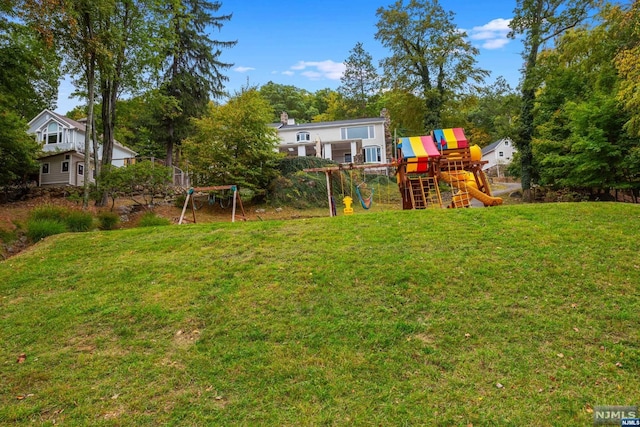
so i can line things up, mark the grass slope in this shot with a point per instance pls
(518, 315)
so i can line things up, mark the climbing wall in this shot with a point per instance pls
(425, 192)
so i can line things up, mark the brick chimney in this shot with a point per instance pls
(284, 118)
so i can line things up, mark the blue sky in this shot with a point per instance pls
(304, 43)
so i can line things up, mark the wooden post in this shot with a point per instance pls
(328, 174)
(186, 203)
(233, 210)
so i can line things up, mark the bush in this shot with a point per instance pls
(39, 228)
(51, 212)
(78, 221)
(108, 220)
(150, 219)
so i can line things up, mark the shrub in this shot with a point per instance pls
(78, 221)
(150, 219)
(39, 228)
(51, 212)
(108, 220)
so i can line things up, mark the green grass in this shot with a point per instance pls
(392, 318)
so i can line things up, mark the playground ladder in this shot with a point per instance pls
(425, 192)
(462, 198)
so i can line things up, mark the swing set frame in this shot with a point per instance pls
(328, 171)
(237, 201)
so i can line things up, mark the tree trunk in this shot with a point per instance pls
(169, 159)
(88, 131)
(528, 104)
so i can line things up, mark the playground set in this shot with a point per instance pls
(445, 155)
(422, 163)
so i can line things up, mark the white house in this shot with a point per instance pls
(498, 155)
(343, 141)
(63, 145)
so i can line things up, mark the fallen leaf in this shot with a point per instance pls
(589, 409)
(22, 358)
(560, 355)
(576, 329)
(574, 305)
(467, 335)
(619, 365)
(499, 385)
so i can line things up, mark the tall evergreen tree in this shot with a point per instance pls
(193, 67)
(360, 81)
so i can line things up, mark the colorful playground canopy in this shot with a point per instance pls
(418, 146)
(447, 139)
(416, 150)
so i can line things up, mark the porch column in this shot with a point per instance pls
(354, 151)
(327, 152)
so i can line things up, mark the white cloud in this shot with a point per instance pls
(495, 43)
(493, 34)
(318, 70)
(288, 73)
(243, 69)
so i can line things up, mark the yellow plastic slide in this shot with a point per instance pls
(472, 190)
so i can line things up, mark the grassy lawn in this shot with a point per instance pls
(514, 315)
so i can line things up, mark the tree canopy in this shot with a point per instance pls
(429, 54)
(233, 143)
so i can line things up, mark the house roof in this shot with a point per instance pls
(58, 153)
(315, 125)
(491, 147)
(63, 119)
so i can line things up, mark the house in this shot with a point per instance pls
(343, 141)
(498, 155)
(62, 161)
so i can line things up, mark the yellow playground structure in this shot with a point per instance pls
(445, 155)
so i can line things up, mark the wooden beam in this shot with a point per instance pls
(351, 166)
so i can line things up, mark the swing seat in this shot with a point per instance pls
(366, 203)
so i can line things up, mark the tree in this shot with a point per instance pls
(299, 104)
(29, 67)
(193, 67)
(405, 110)
(493, 112)
(541, 21)
(580, 141)
(234, 144)
(430, 55)
(335, 107)
(628, 64)
(17, 149)
(72, 27)
(130, 33)
(360, 81)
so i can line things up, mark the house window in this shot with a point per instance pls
(52, 134)
(357, 132)
(65, 166)
(347, 158)
(303, 137)
(45, 168)
(372, 154)
(506, 143)
(501, 154)
(80, 169)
